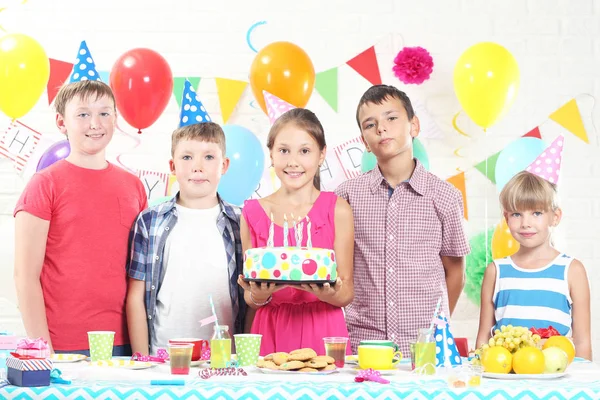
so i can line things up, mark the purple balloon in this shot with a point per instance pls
(58, 151)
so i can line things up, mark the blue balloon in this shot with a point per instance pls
(246, 164)
(516, 157)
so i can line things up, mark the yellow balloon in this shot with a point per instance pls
(486, 81)
(503, 243)
(24, 74)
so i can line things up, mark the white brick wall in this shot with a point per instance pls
(556, 43)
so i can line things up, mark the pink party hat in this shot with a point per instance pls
(275, 106)
(547, 165)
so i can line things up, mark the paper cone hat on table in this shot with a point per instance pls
(547, 165)
(275, 106)
(84, 67)
(192, 110)
(446, 352)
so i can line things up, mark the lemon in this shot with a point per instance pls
(563, 343)
(497, 360)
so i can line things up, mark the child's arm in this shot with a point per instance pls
(342, 293)
(486, 314)
(31, 234)
(454, 268)
(137, 322)
(256, 295)
(579, 288)
(135, 307)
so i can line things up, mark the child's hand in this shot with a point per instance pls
(324, 292)
(260, 291)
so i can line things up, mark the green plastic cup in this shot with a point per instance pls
(247, 347)
(101, 345)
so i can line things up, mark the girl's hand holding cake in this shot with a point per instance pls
(260, 293)
(324, 292)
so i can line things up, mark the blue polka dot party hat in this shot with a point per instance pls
(192, 110)
(84, 67)
(446, 352)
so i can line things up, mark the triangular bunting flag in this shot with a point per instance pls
(275, 106)
(458, 181)
(366, 64)
(85, 67)
(326, 84)
(59, 73)
(535, 132)
(570, 118)
(192, 111)
(547, 165)
(491, 167)
(230, 92)
(179, 82)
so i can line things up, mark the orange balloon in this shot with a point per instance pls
(503, 243)
(284, 70)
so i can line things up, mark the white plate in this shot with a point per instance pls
(67, 358)
(124, 364)
(280, 372)
(523, 376)
(352, 360)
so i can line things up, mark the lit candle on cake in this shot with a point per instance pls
(308, 237)
(285, 231)
(270, 242)
(300, 233)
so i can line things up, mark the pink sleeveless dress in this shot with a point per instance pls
(294, 318)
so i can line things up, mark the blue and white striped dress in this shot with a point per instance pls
(533, 298)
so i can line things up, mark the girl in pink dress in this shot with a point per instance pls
(299, 316)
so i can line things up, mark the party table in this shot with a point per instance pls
(90, 382)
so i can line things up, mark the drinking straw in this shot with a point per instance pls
(212, 306)
(437, 310)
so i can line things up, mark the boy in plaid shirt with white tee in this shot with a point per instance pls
(409, 239)
(186, 248)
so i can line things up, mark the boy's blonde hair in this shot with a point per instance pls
(527, 192)
(203, 131)
(84, 90)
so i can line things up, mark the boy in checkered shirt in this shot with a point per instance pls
(409, 239)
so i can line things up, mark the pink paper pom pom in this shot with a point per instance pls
(413, 65)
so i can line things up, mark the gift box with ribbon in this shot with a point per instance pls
(8, 344)
(35, 348)
(28, 371)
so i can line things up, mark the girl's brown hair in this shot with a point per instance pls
(526, 191)
(305, 120)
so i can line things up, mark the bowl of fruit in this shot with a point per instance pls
(516, 352)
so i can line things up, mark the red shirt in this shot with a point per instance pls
(83, 276)
(398, 244)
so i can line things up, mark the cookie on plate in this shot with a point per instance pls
(302, 355)
(327, 359)
(291, 365)
(315, 364)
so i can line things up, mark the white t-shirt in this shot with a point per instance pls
(196, 267)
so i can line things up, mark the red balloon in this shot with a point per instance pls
(142, 82)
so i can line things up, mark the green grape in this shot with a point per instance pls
(492, 342)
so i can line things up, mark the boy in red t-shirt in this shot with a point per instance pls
(72, 225)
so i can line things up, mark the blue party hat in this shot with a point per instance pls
(192, 110)
(84, 67)
(446, 352)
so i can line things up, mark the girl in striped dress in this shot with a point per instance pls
(538, 286)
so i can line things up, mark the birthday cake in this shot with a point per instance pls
(290, 265)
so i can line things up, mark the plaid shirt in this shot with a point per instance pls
(147, 244)
(398, 244)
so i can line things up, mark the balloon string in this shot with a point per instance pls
(137, 141)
